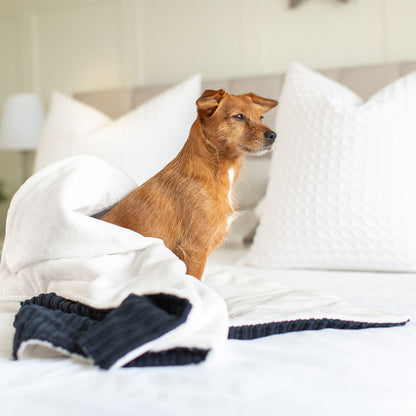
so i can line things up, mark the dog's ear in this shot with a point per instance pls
(208, 102)
(264, 104)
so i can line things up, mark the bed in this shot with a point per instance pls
(369, 371)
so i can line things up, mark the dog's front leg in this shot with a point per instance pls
(195, 261)
(195, 265)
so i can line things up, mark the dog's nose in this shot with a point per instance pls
(270, 136)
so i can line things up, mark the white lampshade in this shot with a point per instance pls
(21, 122)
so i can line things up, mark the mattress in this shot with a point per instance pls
(326, 372)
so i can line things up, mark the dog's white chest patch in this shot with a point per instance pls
(231, 174)
(230, 220)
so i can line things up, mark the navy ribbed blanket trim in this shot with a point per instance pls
(175, 356)
(106, 335)
(273, 328)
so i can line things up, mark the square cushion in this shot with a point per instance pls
(342, 189)
(140, 143)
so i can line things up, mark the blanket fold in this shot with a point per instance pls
(104, 336)
(111, 297)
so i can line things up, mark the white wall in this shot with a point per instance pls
(75, 45)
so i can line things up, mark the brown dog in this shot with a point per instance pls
(188, 203)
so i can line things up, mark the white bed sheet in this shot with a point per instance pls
(327, 372)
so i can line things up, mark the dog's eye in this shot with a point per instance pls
(239, 117)
(261, 118)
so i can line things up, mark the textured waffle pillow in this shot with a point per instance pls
(140, 143)
(342, 190)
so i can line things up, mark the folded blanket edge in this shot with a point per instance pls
(247, 332)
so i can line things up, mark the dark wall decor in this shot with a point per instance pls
(295, 3)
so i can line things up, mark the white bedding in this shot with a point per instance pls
(328, 372)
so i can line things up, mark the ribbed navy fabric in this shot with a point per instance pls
(175, 356)
(106, 335)
(273, 328)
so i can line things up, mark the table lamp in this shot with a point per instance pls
(21, 125)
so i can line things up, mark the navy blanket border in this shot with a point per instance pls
(106, 335)
(247, 332)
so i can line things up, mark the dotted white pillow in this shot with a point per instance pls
(140, 143)
(342, 190)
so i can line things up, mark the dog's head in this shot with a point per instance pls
(234, 123)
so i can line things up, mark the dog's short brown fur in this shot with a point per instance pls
(188, 203)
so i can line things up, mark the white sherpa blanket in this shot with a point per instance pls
(114, 297)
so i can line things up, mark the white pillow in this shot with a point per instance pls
(140, 143)
(342, 190)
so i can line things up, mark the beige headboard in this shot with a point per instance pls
(364, 80)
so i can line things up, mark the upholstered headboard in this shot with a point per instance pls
(364, 80)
